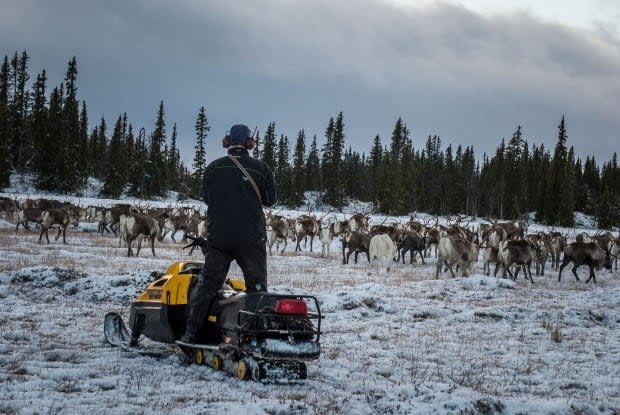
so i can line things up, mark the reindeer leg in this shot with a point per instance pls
(438, 268)
(592, 277)
(311, 242)
(129, 251)
(564, 263)
(140, 238)
(64, 234)
(58, 234)
(451, 270)
(153, 244)
(512, 276)
(575, 272)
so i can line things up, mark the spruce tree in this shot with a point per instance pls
(375, 163)
(560, 194)
(21, 145)
(269, 146)
(83, 154)
(100, 149)
(49, 176)
(514, 179)
(39, 118)
(74, 172)
(5, 139)
(173, 159)
(283, 172)
(329, 169)
(114, 178)
(156, 166)
(313, 167)
(299, 171)
(200, 156)
(396, 204)
(137, 180)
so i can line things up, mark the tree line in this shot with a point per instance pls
(51, 139)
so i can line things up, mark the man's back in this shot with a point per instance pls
(234, 210)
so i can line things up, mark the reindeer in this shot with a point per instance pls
(412, 242)
(25, 215)
(614, 251)
(201, 232)
(135, 225)
(277, 232)
(8, 206)
(173, 224)
(45, 204)
(382, 248)
(356, 242)
(60, 217)
(590, 254)
(326, 234)
(113, 217)
(359, 221)
(459, 251)
(432, 234)
(306, 225)
(556, 247)
(415, 225)
(521, 252)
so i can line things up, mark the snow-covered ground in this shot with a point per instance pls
(397, 343)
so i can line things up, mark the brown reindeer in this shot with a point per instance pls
(135, 225)
(60, 217)
(26, 215)
(356, 242)
(582, 253)
(306, 225)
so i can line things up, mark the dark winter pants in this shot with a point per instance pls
(251, 259)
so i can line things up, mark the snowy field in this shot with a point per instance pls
(397, 343)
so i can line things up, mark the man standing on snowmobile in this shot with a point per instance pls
(235, 189)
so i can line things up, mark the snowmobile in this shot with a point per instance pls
(259, 336)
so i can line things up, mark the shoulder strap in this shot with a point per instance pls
(247, 177)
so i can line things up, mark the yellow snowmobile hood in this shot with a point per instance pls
(173, 287)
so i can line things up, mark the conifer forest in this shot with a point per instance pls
(45, 131)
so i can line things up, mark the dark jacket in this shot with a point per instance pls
(235, 214)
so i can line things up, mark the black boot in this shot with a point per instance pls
(190, 335)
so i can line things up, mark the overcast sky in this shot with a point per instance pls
(468, 71)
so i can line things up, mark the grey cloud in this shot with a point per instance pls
(443, 68)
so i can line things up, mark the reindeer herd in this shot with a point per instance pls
(507, 245)
(456, 245)
(125, 221)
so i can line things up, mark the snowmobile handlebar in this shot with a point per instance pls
(198, 241)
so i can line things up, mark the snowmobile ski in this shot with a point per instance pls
(116, 334)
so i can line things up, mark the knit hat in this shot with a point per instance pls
(239, 135)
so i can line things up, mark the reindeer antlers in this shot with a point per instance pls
(323, 217)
